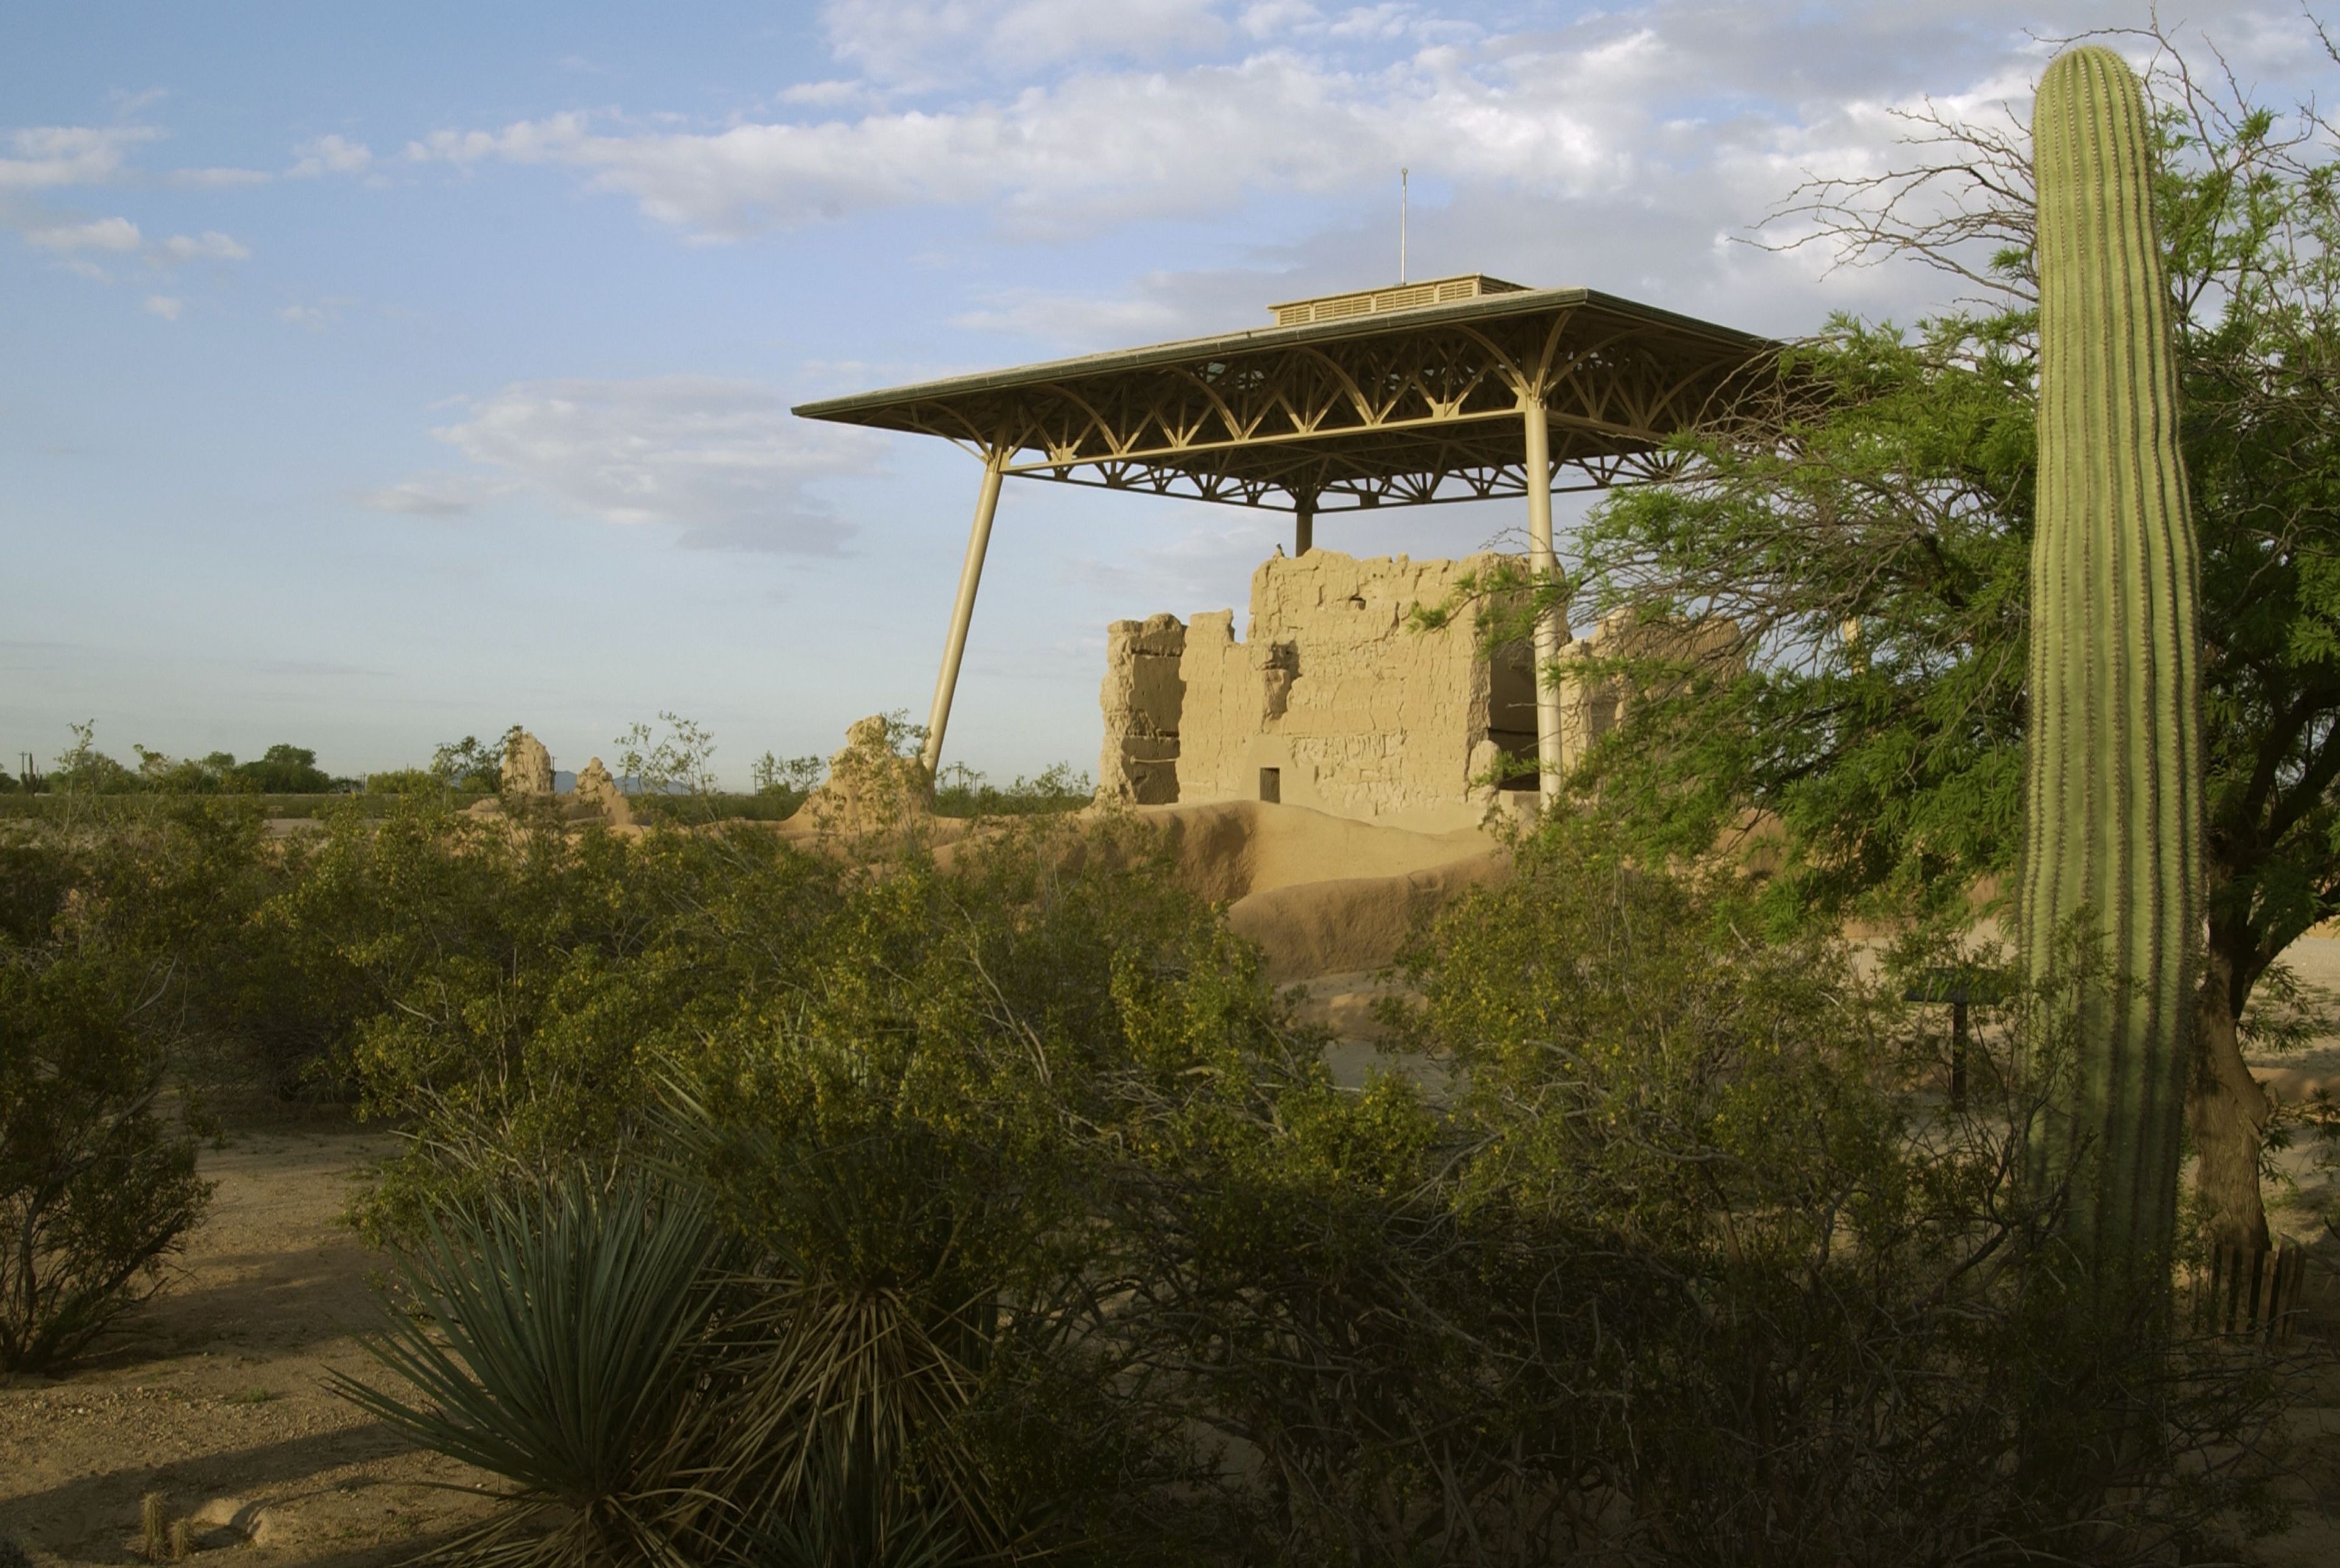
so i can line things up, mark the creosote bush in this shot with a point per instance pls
(1013, 1219)
(100, 928)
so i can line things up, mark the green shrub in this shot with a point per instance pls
(508, 988)
(596, 1343)
(1060, 1242)
(183, 882)
(190, 776)
(882, 1062)
(1705, 1254)
(97, 1186)
(961, 791)
(468, 766)
(283, 771)
(913, 1151)
(84, 769)
(778, 785)
(405, 781)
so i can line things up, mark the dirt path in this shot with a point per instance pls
(216, 1398)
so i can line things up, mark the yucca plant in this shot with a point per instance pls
(856, 1359)
(558, 1338)
(2113, 847)
(844, 1423)
(656, 1390)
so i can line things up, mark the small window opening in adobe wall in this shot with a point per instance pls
(1271, 786)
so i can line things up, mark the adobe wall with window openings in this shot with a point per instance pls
(1337, 699)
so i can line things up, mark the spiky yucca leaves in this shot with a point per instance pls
(559, 1345)
(607, 1347)
(2113, 819)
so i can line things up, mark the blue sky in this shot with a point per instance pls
(370, 376)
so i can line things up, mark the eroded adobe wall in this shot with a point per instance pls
(1221, 711)
(1335, 696)
(1142, 698)
(1357, 713)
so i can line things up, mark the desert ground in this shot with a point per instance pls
(216, 1395)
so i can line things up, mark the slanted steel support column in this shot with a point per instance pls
(1303, 522)
(970, 573)
(1543, 566)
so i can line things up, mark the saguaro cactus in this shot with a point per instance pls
(2114, 769)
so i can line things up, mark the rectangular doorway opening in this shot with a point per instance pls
(1511, 715)
(1271, 786)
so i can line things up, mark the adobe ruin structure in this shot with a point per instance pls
(1456, 389)
(1330, 699)
(1339, 699)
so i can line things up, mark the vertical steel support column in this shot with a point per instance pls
(1544, 565)
(970, 573)
(1303, 522)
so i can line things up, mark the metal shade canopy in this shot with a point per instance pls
(1379, 407)
(1454, 389)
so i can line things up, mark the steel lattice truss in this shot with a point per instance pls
(1404, 408)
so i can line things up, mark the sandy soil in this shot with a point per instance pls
(216, 1397)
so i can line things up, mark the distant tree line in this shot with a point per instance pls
(675, 765)
(84, 769)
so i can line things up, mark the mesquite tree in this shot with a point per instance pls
(1892, 485)
(2113, 814)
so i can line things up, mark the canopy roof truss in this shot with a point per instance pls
(1403, 409)
(1373, 399)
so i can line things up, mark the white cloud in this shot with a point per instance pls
(437, 494)
(1201, 564)
(1270, 18)
(47, 157)
(211, 245)
(915, 42)
(1075, 320)
(100, 234)
(1154, 308)
(218, 179)
(1096, 115)
(316, 319)
(830, 95)
(165, 306)
(1095, 151)
(329, 156)
(1369, 22)
(1101, 147)
(723, 459)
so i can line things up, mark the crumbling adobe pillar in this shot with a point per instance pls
(1142, 697)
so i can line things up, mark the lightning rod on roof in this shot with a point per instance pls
(1403, 173)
